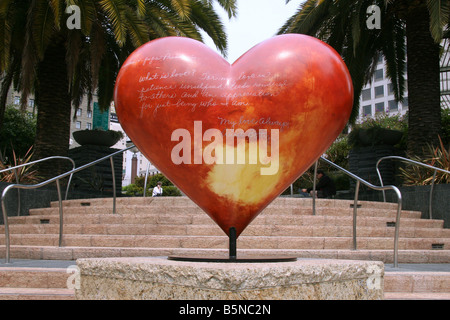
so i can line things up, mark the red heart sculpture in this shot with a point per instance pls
(233, 137)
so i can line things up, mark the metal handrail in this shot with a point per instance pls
(430, 204)
(145, 181)
(56, 179)
(32, 163)
(355, 205)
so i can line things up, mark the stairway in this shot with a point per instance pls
(174, 226)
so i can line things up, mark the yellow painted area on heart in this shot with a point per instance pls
(241, 182)
(244, 183)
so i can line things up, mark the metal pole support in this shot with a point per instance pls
(232, 244)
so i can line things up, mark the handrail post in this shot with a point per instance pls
(61, 218)
(68, 183)
(145, 181)
(6, 225)
(114, 184)
(430, 204)
(18, 191)
(381, 180)
(397, 225)
(355, 209)
(314, 189)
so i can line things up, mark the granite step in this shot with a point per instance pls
(187, 219)
(186, 202)
(312, 230)
(417, 285)
(36, 294)
(35, 284)
(73, 253)
(180, 210)
(245, 242)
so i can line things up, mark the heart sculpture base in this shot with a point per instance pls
(232, 255)
(157, 278)
(233, 260)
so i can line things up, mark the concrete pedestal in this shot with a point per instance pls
(157, 278)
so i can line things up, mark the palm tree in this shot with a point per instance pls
(39, 54)
(411, 30)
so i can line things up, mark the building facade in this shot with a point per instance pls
(378, 95)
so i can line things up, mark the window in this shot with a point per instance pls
(78, 125)
(393, 105)
(366, 94)
(367, 110)
(405, 103)
(379, 107)
(380, 58)
(89, 126)
(89, 114)
(31, 103)
(378, 75)
(379, 91)
(16, 100)
(390, 89)
(79, 112)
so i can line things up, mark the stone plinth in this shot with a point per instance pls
(157, 278)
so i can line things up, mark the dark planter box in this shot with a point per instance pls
(362, 161)
(97, 178)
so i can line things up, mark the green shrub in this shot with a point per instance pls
(137, 189)
(445, 126)
(17, 133)
(171, 191)
(338, 152)
(133, 190)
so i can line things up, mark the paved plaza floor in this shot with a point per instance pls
(407, 267)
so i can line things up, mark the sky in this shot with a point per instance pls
(257, 21)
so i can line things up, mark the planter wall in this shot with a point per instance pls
(97, 178)
(362, 162)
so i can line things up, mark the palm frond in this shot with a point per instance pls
(56, 6)
(439, 17)
(182, 8)
(141, 8)
(394, 51)
(88, 14)
(137, 29)
(307, 18)
(230, 6)
(115, 11)
(207, 19)
(43, 26)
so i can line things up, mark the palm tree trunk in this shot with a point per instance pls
(423, 82)
(54, 110)
(5, 85)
